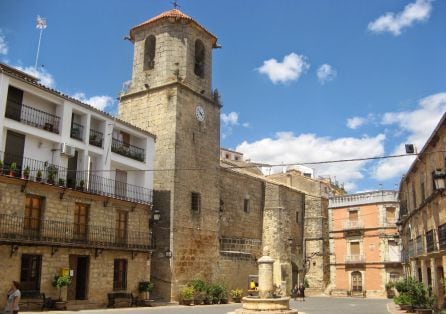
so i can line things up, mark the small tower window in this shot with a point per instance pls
(196, 202)
(199, 58)
(149, 52)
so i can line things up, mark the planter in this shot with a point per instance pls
(146, 302)
(237, 299)
(207, 301)
(198, 301)
(224, 301)
(188, 302)
(406, 307)
(60, 305)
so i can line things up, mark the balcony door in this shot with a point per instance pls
(72, 171)
(15, 145)
(356, 281)
(14, 103)
(121, 183)
(354, 249)
(78, 290)
(30, 272)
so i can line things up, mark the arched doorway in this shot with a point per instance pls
(356, 281)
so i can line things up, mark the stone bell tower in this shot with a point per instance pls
(171, 96)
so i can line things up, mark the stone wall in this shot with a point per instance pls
(57, 256)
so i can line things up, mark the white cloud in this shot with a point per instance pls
(290, 69)
(3, 44)
(287, 147)
(416, 126)
(418, 11)
(326, 73)
(230, 118)
(42, 74)
(355, 122)
(99, 102)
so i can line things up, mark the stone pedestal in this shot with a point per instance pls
(265, 276)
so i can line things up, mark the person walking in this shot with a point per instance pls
(12, 302)
(295, 291)
(302, 291)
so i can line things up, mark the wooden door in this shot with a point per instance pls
(356, 281)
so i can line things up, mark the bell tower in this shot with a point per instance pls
(171, 96)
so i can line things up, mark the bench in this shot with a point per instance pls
(31, 300)
(121, 299)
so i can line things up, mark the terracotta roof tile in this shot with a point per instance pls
(175, 14)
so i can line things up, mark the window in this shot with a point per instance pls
(297, 217)
(14, 103)
(80, 221)
(246, 205)
(222, 205)
(414, 196)
(423, 192)
(390, 214)
(120, 274)
(121, 225)
(149, 52)
(353, 215)
(33, 205)
(199, 58)
(121, 183)
(195, 201)
(354, 249)
(30, 271)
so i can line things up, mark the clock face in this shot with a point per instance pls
(199, 113)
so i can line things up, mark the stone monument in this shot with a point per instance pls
(267, 301)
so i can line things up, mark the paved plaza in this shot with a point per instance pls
(312, 305)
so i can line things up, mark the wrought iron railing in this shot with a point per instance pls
(46, 231)
(353, 224)
(353, 259)
(83, 181)
(127, 150)
(431, 245)
(420, 245)
(96, 138)
(32, 116)
(77, 131)
(404, 256)
(442, 236)
(411, 248)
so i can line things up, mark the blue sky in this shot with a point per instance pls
(301, 81)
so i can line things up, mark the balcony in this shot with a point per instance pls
(96, 138)
(127, 150)
(33, 117)
(431, 245)
(419, 246)
(391, 259)
(53, 232)
(77, 131)
(411, 248)
(354, 259)
(404, 256)
(442, 236)
(352, 225)
(83, 181)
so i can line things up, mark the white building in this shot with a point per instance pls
(69, 143)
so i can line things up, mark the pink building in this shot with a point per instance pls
(364, 243)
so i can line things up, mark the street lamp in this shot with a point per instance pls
(439, 178)
(156, 216)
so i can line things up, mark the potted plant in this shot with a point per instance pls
(1, 166)
(60, 282)
(39, 175)
(52, 172)
(403, 300)
(12, 169)
(26, 173)
(389, 289)
(199, 290)
(216, 290)
(81, 185)
(236, 295)
(61, 182)
(145, 287)
(224, 297)
(187, 295)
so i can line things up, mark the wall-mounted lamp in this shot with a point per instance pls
(14, 249)
(290, 241)
(439, 178)
(156, 216)
(98, 252)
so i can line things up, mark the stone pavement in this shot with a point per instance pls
(312, 305)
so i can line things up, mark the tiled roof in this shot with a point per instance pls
(4, 68)
(172, 14)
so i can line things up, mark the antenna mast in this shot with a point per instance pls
(40, 24)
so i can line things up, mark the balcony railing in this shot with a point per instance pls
(77, 131)
(411, 248)
(353, 225)
(404, 256)
(53, 232)
(127, 150)
(32, 116)
(83, 181)
(354, 259)
(96, 138)
(389, 258)
(419, 246)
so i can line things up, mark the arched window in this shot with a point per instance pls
(356, 281)
(199, 58)
(149, 52)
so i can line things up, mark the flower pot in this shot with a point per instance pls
(188, 302)
(423, 311)
(146, 302)
(224, 301)
(237, 299)
(60, 305)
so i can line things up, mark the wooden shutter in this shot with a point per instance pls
(354, 248)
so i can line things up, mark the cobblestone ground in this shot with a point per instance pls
(312, 305)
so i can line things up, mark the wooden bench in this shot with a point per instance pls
(121, 299)
(31, 300)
